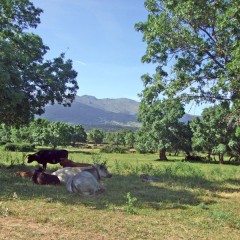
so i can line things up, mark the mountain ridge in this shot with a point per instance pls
(105, 113)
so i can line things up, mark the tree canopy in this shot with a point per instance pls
(160, 125)
(195, 46)
(27, 81)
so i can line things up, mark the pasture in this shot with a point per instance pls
(191, 201)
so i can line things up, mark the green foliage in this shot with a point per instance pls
(96, 158)
(44, 133)
(213, 134)
(118, 167)
(27, 81)
(78, 134)
(59, 134)
(39, 129)
(96, 135)
(4, 211)
(199, 42)
(131, 203)
(237, 132)
(223, 217)
(160, 124)
(130, 139)
(23, 147)
(11, 147)
(113, 149)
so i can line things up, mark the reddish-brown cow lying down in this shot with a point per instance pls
(39, 177)
(24, 174)
(69, 163)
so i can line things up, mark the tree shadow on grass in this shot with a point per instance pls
(162, 195)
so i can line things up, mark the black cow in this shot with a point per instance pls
(39, 177)
(48, 156)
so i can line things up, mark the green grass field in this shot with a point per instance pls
(191, 201)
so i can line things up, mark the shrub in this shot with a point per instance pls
(26, 147)
(113, 149)
(11, 147)
(16, 147)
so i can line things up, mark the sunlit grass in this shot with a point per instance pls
(191, 201)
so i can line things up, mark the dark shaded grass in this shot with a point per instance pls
(174, 191)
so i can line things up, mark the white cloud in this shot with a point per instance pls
(80, 62)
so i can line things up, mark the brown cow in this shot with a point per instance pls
(48, 156)
(39, 177)
(69, 163)
(24, 173)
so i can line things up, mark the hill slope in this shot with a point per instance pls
(92, 112)
(100, 113)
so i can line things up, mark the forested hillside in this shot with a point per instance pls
(106, 113)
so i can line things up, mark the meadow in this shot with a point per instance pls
(191, 201)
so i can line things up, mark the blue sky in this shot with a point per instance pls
(99, 36)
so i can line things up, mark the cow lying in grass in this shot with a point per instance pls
(24, 174)
(39, 177)
(98, 170)
(48, 156)
(69, 163)
(87, 182)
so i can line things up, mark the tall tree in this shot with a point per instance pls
(78, 134)
(160, 121)
(27, 81)
(211, 133)
(59, 134)
(96, 135)
(40, 134)
(130, 138)
(199, 43)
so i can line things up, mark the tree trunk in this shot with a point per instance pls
(162, 154)
(187, 153)
(221, 158)
(209, 156)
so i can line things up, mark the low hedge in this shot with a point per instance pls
(17, 147)
(113, 149)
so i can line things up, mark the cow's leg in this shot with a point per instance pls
(44, 166)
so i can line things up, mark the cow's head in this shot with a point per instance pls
(32, 157)
(103, 171)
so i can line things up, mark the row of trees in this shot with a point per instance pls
(210, 134)
(42, 132)
(216, 132)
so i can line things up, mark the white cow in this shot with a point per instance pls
(84, 181)
(84, 184)
(65, 173)
(98, 170)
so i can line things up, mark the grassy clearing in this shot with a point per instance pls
(192, 201)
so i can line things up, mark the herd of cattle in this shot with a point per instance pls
(81, 178)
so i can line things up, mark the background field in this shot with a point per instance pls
(192, 201)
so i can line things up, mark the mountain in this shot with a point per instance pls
(92, 112)
(105, 113)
